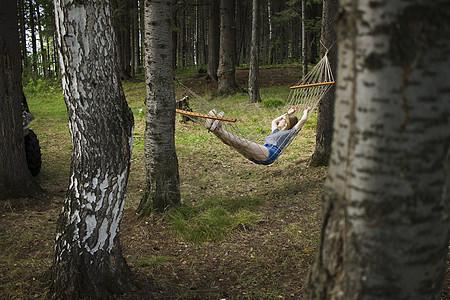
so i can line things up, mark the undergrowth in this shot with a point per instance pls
(211, 220)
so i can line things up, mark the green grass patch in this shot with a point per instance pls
(153, 261)
(311, 123)
(212, 220)
(273, 103)
(275, 92)
(47, 105)
(186, 72)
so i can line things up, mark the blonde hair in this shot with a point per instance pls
(291, 120)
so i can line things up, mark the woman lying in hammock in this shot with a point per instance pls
(284, 130)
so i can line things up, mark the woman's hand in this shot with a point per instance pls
(292, 110)
(305, 113)
(302, 121)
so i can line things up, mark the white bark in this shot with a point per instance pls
(304, 42)
(163, 186)
(387, 202)
(100, 124)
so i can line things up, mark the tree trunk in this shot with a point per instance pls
(122, 26)
(133, 21)
(265, 33)
(203, 36)
(23, 37)
(304, 42)
(184, 50)
(141, 30)
(88, 259)
(55, 54)
(43, 51)
(243, 36)
(295, 41)
(163, 183)
(324, 129)
(175, 37)
(386, 225)
(15, 178)
(197, 35)
(33, 37)
(253, 77)
(271, 31)
(227, 54)
(213, 38)
(137, 41)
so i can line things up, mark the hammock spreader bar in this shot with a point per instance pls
(311, 85)
(193, 114)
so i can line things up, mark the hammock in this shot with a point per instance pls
(306, 93)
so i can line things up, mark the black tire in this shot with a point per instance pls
(33, 153)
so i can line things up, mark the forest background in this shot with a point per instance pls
(281, 34)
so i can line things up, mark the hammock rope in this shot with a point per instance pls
(313, 87)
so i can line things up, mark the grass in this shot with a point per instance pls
(213, 220)
(243, 230)
(153, 262)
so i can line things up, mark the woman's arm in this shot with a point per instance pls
(277, 120)
(302, 121)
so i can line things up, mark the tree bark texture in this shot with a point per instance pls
(88, 258)
(227, 57)
(253, 76)
(324, 128)
(162, 177)
(15, 178)
(387, 203)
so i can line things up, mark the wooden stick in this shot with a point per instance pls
(311, 84)
(193, 114)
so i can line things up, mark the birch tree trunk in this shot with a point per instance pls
(22, 33)
(253, 76)
(88, 258)
(304, 42)
(387, 203)
(32, 27)
(163, 183)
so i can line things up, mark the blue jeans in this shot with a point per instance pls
(274, 152)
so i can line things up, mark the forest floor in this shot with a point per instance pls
(264, 251)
